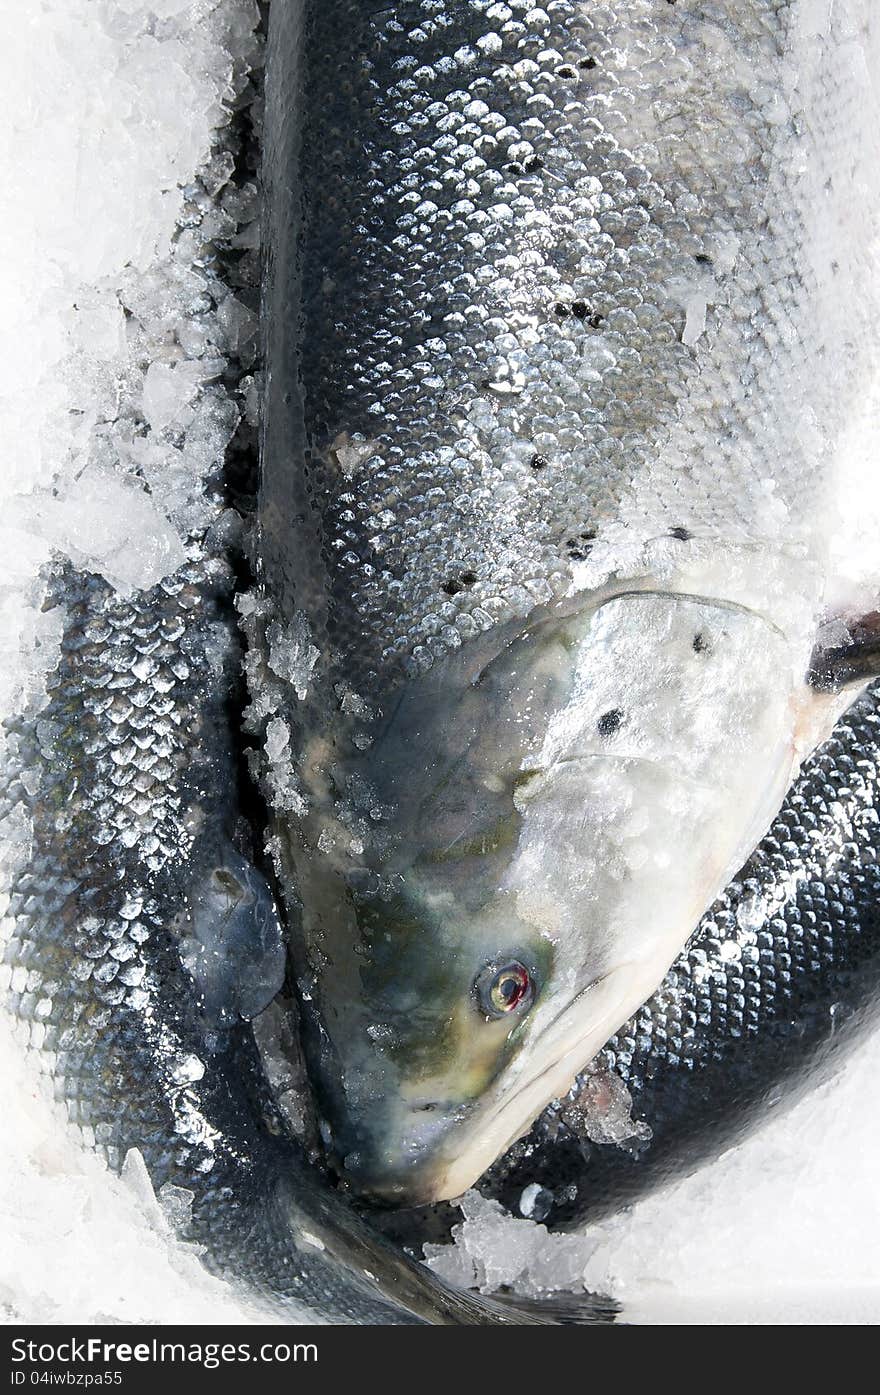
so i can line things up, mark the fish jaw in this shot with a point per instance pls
(415, 1174)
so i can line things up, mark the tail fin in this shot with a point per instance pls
(561, 1309)
(405, 1289)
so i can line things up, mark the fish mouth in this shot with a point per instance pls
(486, 1128)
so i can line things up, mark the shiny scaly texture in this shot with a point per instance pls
(128, 779)
(568, 310)
(138, 935)
(568, 276)
(571, 346)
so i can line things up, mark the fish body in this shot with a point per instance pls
(515, 491)
(138, 935)
(570, 354)
(142, 941)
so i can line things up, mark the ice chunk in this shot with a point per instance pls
(292, 655)
(281, 778)
(239, 325)
(277, 744)
(97, 322)
(493, 1249)
(695, 319)
(176, 1204)
(135, 1176)
(600, 1108)
(170, 389)
(351, 451)
(110, 525)
(535, 1202)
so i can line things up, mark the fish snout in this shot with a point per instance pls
(405, 1164)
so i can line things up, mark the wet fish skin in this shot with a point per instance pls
(128, 774)
(554, 394)
(405, 212)
(140, 937)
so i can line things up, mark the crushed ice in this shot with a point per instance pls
(115, 338)
(600, 1108)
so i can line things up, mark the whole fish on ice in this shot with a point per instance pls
(571, 336)
(142, 941)
(570, 320)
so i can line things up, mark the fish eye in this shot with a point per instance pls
(501, 990)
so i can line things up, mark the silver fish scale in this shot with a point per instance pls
(123, 762)
(101, 775)
(127, 778)
(514, 215)
(800, 909)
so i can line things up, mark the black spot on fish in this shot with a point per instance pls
(702, 259)
(579, 548)
(587, 63)
(566, 72)
(681, 533)
(610, 721)
(700, 644)
(535, 163)
(581, 311)
(456, 584)
(563, 311)
(539, 462)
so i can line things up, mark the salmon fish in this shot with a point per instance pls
(571, 401)
(140, 941)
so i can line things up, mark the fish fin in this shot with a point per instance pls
(406, 1288)
(836, 668)
(561, 1309)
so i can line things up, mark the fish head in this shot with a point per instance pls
(506, 872)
